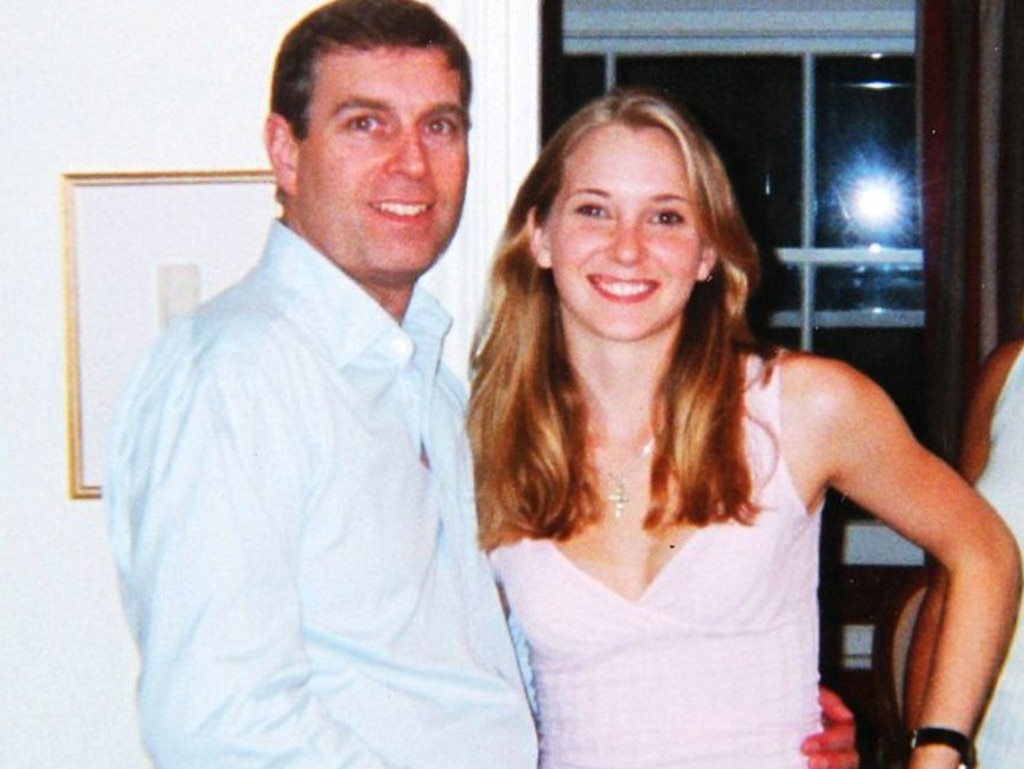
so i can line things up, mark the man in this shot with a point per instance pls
(289, 483)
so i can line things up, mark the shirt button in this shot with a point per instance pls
(401, 348)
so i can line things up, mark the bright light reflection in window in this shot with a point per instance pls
(876, 202)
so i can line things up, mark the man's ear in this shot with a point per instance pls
(283, 151)
(539, 245)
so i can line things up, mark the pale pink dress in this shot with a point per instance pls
(715, 666)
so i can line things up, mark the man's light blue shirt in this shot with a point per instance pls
(290, 497)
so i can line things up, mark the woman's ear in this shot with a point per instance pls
(539, 246)
(708, 260)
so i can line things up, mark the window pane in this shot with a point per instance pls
(787, 338)
(866, 149)
(774, 309)
(580, 79)
(869, 287)
(750, 106)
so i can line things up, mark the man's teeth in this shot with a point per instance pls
(403, 209)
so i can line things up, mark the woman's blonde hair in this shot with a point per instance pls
(527, 418)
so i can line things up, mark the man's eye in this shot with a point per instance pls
(362, 123)
(589, 209)
(445, 126)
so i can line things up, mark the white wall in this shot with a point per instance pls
(120, 85)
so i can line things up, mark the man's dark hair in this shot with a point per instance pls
(364, 25)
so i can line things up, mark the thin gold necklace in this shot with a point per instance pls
(620, 495)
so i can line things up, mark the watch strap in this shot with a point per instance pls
(938, 735)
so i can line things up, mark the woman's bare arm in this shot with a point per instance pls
(841, 431)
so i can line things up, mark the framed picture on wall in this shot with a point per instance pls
(140, 249)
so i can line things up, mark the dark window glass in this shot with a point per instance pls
(580, 79)
(869, 287)
(786, 338)
(779, 292)
(866, 152)
(750, 106)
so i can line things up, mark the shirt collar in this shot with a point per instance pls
(336, 309)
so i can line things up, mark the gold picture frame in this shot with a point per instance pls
(140, 248)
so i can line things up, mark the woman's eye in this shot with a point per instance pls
(668, 217)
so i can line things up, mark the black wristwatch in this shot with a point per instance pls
(937, 735)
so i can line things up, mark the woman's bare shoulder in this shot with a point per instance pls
(820, 384)
(814, 394)
(835, 419)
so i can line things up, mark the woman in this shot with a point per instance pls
(991, 456)
(650, 477)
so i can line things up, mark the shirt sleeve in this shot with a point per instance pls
(522, 650)
(208, 483)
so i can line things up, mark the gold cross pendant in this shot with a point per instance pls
(618, 498)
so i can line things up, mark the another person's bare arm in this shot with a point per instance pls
(974, 451)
